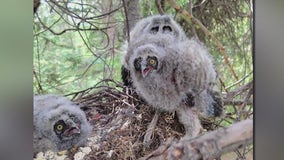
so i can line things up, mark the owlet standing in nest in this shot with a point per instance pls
(59, 124)
(172, 73)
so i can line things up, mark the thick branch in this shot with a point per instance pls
(160, 7)
(208, 146)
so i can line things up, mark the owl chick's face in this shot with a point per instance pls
(161, 25)
(146, 65)
(59, 124)
(67, 127)
(146, 59)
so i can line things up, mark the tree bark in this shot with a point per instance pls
(36, 5)
(132, 14)
(208, 146)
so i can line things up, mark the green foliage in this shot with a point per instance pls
(71, 61)
(75, 60)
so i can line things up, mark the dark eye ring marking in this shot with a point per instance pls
(154, 30)
(167, 29)
(137, 64)
(59, 127)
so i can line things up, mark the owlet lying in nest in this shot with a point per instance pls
(172, 73)
(59, 124)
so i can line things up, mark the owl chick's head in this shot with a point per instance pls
(66, 125)
(158, 25)
(146, 59)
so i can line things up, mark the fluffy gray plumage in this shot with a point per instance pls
(180, 69)
(164, 76)
(157, 25)
(59, 124)
(159, 30)
(180, 77)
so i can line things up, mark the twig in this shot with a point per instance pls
(223, 85)
(159, 6)
(240, 80)
(241, 89)
(38, 81)
(246, 101)
(70, 29)
(236, 102)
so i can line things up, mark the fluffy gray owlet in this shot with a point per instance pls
(59, 124)
(163, 31)
(157, 29)
(164, 76)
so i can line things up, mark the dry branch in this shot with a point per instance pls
(237, 102)
(239, 90)
(208, 146)
(160, 6)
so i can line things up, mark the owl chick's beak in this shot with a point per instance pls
(71, 131)
(146, 70)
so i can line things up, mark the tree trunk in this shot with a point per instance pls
(133, 12)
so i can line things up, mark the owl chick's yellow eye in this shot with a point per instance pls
(152, 61)
(59, 127)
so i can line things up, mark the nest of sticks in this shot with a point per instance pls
(120, 118)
